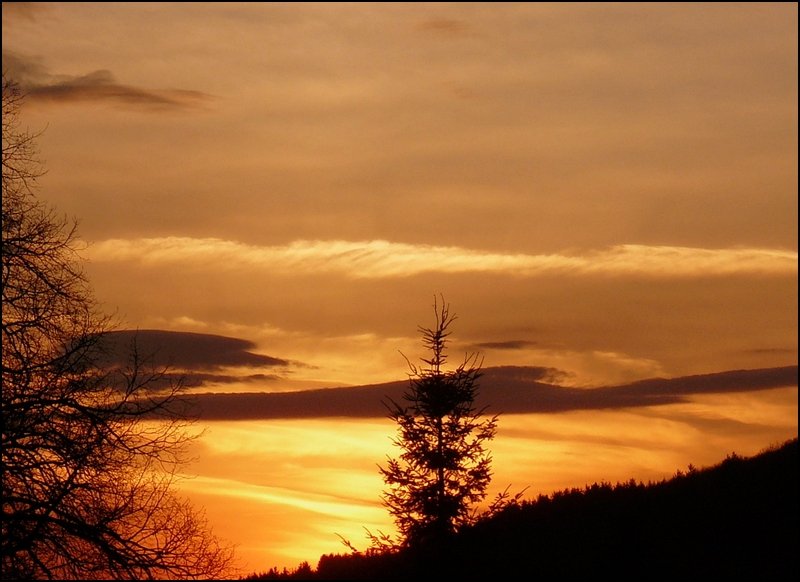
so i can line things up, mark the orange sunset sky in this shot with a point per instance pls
(604, 193)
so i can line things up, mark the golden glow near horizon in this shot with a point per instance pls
(295, 484)
(608, 190)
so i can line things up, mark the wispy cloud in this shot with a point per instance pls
(444, 27)
(506, 345)
(779, 351)
(97, 86)
(25, 10)
(384, 259)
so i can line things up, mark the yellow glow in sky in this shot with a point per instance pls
(607, 190)
(282, 490)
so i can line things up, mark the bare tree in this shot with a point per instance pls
(444, 468)
(89, 454)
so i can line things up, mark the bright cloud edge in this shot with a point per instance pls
(374, 259)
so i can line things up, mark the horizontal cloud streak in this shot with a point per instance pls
(39, 85)
(184, 350)
(385, 259)
(506, 345)
(101, 86)
(510, 390)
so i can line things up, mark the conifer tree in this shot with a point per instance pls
(444, 467)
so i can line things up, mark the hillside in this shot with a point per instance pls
(735, 521)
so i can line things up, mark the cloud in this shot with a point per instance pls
(542, 374)
(25, 10)
(506, 345)
(193, 380)
(195, 352)
(778, 351)
(509, 390)
(445, 27)
(99, 86)
(384, 259)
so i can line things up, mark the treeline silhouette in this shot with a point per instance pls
(737, 520)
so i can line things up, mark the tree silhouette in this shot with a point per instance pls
(444, 468)
(89, 454)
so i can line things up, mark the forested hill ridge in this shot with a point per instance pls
(737, 520)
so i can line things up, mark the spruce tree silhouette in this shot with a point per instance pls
(444, 468)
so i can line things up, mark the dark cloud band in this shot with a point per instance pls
(510, 390)
(97, 86)
(191, 352)
(506, 345)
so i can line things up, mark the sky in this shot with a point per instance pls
(274, 194)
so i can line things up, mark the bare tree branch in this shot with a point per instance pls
(89, 454)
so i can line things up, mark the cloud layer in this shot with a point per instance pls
(97, 86)
(385, 259)
(509, 390)
(186, 351)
